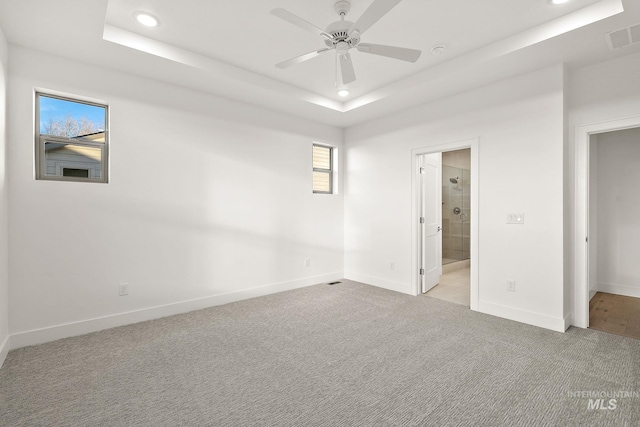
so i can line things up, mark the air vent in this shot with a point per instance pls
(623, 37)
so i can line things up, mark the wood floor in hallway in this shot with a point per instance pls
(616, 314)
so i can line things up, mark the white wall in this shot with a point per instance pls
(224, 221)
(618, 223)
(604, 91)
(209, 200)
(4, 236)
(519, 123)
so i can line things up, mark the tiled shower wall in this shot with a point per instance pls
(456, 227)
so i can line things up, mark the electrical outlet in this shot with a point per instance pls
(307, 262)
(392, 265)
(511, 285)
(123, 289)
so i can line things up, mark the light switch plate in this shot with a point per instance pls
(515, 218)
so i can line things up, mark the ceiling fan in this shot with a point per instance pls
(342, 36)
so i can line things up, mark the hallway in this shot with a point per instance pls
(616, 314)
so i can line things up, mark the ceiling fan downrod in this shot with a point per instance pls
(342, 7)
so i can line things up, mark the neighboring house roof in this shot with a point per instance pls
(95, 136)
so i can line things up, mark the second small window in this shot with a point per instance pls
(72, 139)
(322, 169)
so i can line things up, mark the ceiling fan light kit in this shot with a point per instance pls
(342, 36)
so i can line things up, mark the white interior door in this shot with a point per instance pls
(430, 220)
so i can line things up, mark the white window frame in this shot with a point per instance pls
(41, 140)
(330, 171)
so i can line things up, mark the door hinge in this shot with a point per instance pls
(422, 271)
(421, 170)
(421, 220)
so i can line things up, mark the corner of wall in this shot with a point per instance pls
(4, 350)
(390, 285)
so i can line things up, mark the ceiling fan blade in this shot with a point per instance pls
(302, 58)
(299, 22)
(402, 53)
(346, 68)
(377, 10)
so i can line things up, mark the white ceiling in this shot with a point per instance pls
(229, 47)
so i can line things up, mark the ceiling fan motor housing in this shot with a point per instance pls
(339, 31)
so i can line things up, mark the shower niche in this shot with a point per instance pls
(456, 202)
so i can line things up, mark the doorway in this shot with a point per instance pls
(614, 232)
(462, 226)
(584, 287)
(454, 284)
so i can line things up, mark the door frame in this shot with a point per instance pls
(581, 213)
(415, 213)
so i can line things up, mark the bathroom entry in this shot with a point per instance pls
(454, 284)
(456, 204)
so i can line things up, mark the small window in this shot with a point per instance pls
(71, 139)
(322, 169)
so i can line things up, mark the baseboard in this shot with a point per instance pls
(455, 266)
(592, 294)
(612, 288)
(4, 350)
(52, 333)
(404, 288)
(524, 316)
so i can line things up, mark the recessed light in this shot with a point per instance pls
(146, 19)
(343, 92)
(559, 1)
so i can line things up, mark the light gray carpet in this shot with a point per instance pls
(343, 355)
